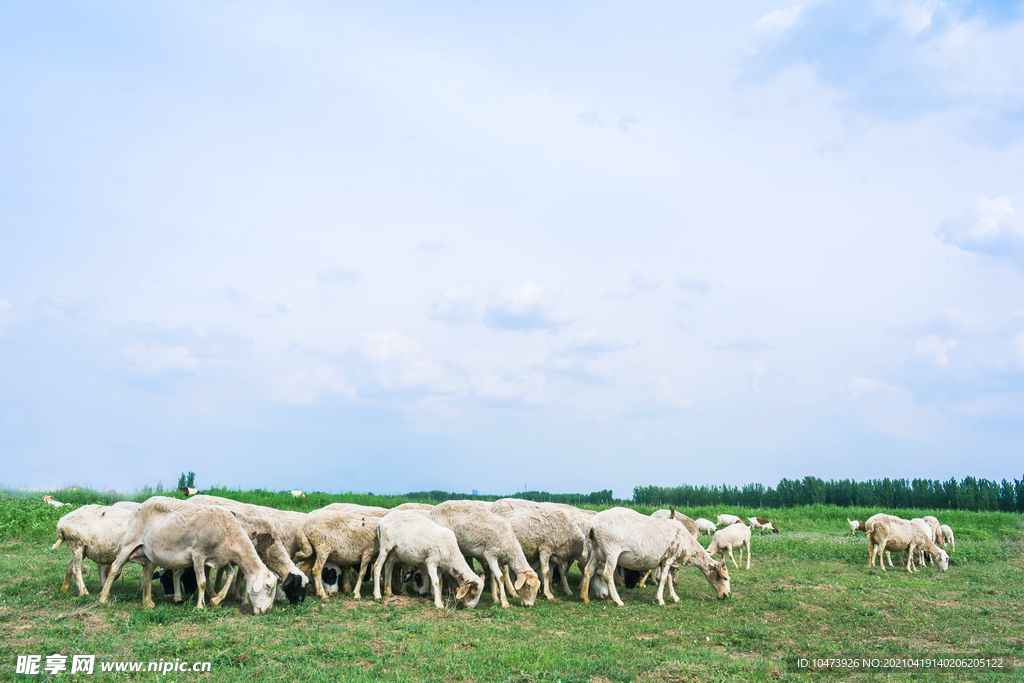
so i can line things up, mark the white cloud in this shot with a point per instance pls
(496, 377)
(306, 386)
(779, 20)
(917, 16)
(456, 306)
(151, 359)
(936, 350)
(661, 390)
(855, 387)
(991, 226)
(590, 345)
(529, 306)
(645, 282)
(401, 362)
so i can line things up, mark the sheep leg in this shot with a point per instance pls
(733, 558)
(748, 554)
(661, 586)
(435, 582)
(78, 557)
(199, 565)
(497, 582)
(115, 569)
(103, 570)
(545, 565)
(344, 585)
(367, 556)
(565, 578)
(318, 568)
(671, 587)
(68, 574)
(382, 558)
(609, 577)
(510, 586)
(643, 580)
(147, 585)
(588, 572)
(219, 598)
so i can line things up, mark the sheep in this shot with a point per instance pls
(179, 582)
(188, 491)
(935, 526)
(621, 536)
(732, 536)
(286, 522)
(175, 534)
(299, 494)
(490, 539)
(55, 503)
(762, 523)
(414, 506)
(705, 525)
(690, 525)
(345, 538)
(888, 533)
(546, 533)
(127, 505)
(855, 525)
(266, 538)
(411, 538)
(92, 531)
(726, 520)
(947, 537)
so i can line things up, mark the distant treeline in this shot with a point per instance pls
(967, 494)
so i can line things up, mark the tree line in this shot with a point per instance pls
(967, 494)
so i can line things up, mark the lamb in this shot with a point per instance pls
(706, 526)
(546, 534)
(855, 525)
(490, 539)
(411, 538)
(266, 539)
(732, 536)
(299, 494)
(762, 523)
(175, 534)
(888, 533)
(726, 520)
(947, 537)
(620, 536)
(345, 538)
(55, 503)
(92, 531)
(690, 525)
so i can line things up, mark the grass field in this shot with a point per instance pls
(807, 595)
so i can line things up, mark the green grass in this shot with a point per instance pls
(808, 594)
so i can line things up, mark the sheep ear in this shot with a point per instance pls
(520, 581)
(461, 593)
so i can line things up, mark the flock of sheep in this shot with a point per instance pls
(923, 537)
(523, 546)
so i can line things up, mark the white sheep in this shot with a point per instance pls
(55, 503)
(855, 525)
(490, 539)
(547, 535)
(621, 536)
(348, 539)
(92, 531)
(299, 494)
(412, 539)
(947, 537)
(732, 536)
(175, 534)
(705, 526)
(726, 519)
(690, 524)
(887, 533)
(933, 523)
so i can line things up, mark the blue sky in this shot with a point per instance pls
(404, 247)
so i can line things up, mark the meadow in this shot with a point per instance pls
(808, 595)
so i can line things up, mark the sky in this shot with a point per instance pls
(406, 246)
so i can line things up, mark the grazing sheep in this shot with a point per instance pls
(299, 494)
(414, 506)
(55, 503)
(346, 538)
(547, 535)
(127, 505)
(732, 536)
(690, 524)
(92, 531)
(188, 491)
(762, 523)
(412, 539)
(947, 537)
(489, 538)
(726, 519)
(621, 536)
(706, 526)
(175, 534)
(855, 525)
(887, 533)
(179, 583)
(266, 538)
(935, 526)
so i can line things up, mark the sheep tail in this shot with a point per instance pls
(305, 549)
(60, 539)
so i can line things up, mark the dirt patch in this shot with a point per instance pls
(811, 608)
(673, 672)
(647, 636)
(935, 603)
(829, 587)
